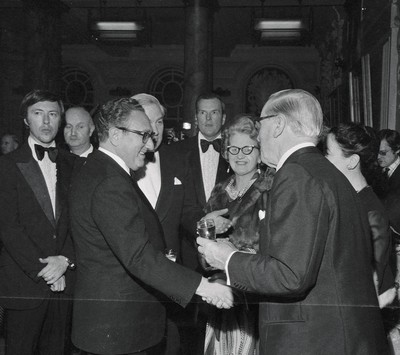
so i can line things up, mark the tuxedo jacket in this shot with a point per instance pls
(314, 266)
(122, 267)
(176, 197)
(28, 228)
(188, 151)
(190, 148)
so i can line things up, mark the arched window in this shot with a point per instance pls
(167, 86)
(262, 84)
(77, 88)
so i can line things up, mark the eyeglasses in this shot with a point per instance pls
(383, 152)
(246, 150)
(146, 135)
(259, 119)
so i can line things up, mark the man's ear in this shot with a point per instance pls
(91, 130)
(280, 125)
(353, 161)
(223, 118)
(26, 122)
(114, 135)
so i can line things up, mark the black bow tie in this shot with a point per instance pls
(216, 143)
(51, 151)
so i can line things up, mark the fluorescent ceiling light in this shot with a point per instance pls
(117, 26)
(272, 25)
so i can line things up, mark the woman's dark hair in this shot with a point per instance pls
(355, 138)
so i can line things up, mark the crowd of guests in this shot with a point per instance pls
(307, 222)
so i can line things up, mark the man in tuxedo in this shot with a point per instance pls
(202, 155)
(389, 160)
(163, 179)
(78, 129)
(314, 264)
(123, 275)
(165, 183)
(36, 247)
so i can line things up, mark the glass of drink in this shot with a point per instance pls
(171, 254)
(206, 229)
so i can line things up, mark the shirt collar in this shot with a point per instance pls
(86, 152)
(201, 136)
(32, 142)
(392, 167)
(289, 152)
(117, 159)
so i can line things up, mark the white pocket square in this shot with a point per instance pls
(177, 181)
(261, 214)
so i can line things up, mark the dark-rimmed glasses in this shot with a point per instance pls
(246, 150)
(146, 135)
(384, 152)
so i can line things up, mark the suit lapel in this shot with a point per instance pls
(194, 161)
(167, 182)
(222, 172)
(33, 175)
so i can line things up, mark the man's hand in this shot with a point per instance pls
(59, 285)
(215, 252)
(221, 224)
(55, 268)
(216, 294)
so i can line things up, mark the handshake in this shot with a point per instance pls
(214, 293)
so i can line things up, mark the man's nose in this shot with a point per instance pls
(150, 144)
(46, 118)
(155, 130)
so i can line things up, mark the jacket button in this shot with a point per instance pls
(54, 236)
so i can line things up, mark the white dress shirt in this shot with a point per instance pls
(150, 183)
(48, 168)
(209, 165)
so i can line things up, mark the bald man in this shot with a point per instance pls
(78, 129)
(9, 142)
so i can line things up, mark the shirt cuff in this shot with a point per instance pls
(228, 279)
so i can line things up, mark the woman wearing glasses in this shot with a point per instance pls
(244, 195)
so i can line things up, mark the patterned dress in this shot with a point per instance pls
(234, 331)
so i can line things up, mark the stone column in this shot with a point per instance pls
(198, 54)
(42, 44)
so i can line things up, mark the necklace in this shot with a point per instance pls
(237, 194)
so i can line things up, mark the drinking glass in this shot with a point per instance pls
(171, 254)
(206, 229)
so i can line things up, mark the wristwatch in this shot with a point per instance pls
(71, 264)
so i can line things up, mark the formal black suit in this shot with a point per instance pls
(30, 231)
(190, 154)
(391, 201)
(176, 195)
(122, 268)
(314, 265)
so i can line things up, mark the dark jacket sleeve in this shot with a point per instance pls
(14, 235)
(127, 238)
(295, 241)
